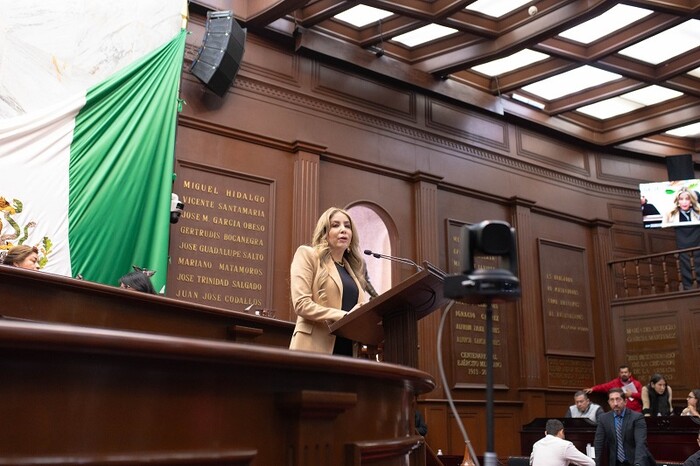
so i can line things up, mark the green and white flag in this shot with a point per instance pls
(88, 179)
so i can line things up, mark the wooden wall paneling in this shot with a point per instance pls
(506, 420)
(660, 241)
(558, 406)
(528, 307)
(472, 415)
(616, 169)
(628, 214)
(365, 92)
(473, 420)
(265, 60)
(628, 242)
(601, 283)
(436, 419)
(650, 336)
(427, 246)
(305, 195)
(467, 124)
(557, 155)
(534, 402)
(691, 334)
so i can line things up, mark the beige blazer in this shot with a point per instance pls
(311, 332)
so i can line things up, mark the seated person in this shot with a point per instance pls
(22, 256)
(554, 449)
(583, 408)
(657, 397)
(137, 281)
(694, 459)
(421, 427)
(692, 408)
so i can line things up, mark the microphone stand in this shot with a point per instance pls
(490, 458)
(400, 260)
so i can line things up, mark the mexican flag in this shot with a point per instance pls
(88, 178)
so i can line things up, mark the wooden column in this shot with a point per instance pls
(306, 191)
(528, 309)
(528, 306)
(425, 195)
(603, 318)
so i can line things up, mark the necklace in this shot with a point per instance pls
(340, 263)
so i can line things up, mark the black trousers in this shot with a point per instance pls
(687, 269)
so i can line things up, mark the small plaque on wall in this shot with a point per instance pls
(468, 331)
(221, 249)
(569, 372)
(565, 299)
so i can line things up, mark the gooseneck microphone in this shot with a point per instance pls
(401, 260)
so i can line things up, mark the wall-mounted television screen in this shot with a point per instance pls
(670, 203)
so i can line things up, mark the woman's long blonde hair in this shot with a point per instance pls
(352, 254)
(693, 201)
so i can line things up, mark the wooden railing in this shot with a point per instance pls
(654, 274)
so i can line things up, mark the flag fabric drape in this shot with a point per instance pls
(87, 178)
(120, 169)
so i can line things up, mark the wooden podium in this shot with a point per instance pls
(393, 316)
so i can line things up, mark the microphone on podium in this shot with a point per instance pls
(401, 260)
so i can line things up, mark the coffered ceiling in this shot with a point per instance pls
(640, 83)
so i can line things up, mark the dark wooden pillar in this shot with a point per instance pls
(425, 195)
(602, 251)
(306, 191)
(528, 307)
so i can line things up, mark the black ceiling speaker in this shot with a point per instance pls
(680, 167)
(221, 54)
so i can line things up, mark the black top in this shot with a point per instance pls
(343, 346)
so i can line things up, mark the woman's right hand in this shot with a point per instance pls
(357, 306)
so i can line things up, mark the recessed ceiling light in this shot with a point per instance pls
(362, 15)
(570, 82)
(425, 34)
(667, 44)
(606, 23)
(496, 8)
(692, 130)
(629, 101)
(512, 62)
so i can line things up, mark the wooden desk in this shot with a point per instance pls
(44, 297)
(670, 439)
(77, 395)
